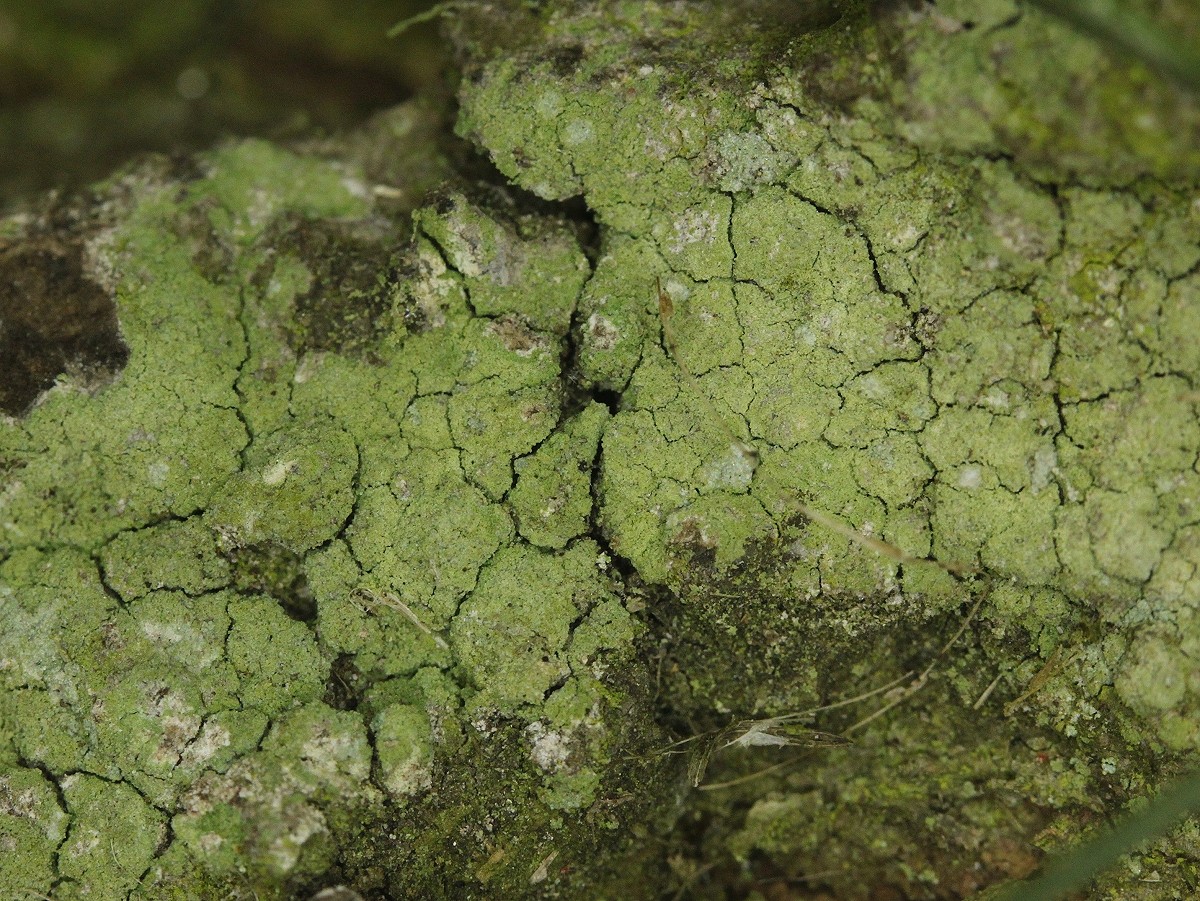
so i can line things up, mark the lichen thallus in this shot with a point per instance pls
(791, 730)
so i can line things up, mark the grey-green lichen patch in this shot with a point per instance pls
(429, 532)
(176, 685)
(175, 432)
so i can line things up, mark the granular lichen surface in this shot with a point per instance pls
(404, 532)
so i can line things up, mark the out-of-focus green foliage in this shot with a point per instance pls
(85, 85)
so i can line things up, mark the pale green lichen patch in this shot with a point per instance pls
(428, 533)
(365, 400)
(366, 623)
(514, 635)
(251, 182)
(32, 827)
(272, 811)
(659, 458)
(294, 489)
(986, 78)
(552, 499)
(181, 555)
(114, 835)
(958, 357)
(273, 507)
(1157, 678)
(615, 314)
(403, 749)
(531, 267)
(993, 354)
(507, 401)
(276, 657)
(173, 431)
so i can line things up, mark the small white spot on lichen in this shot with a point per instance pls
(602, 333)
(906, 238)
(483, 725)
(277, 472)
(996, 399)
(550, 748)
(408, 777)
(210, 842)
(161, 633)
(307, 367)
(970, 477)
(177, 731)
(745, 161)
(1045, 461)
(734, 470)
(212, 738)
(695, 227)
(577, 132)
(156, 473)
(329, 756)
(306, 821)
(84, 844)
(549, 105)
(18, 804)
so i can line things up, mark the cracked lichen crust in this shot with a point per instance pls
(941, 317)
(265, 591)
(336, 580)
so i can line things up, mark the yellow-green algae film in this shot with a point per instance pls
(410, 528)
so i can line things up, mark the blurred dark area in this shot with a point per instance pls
(88, 84)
